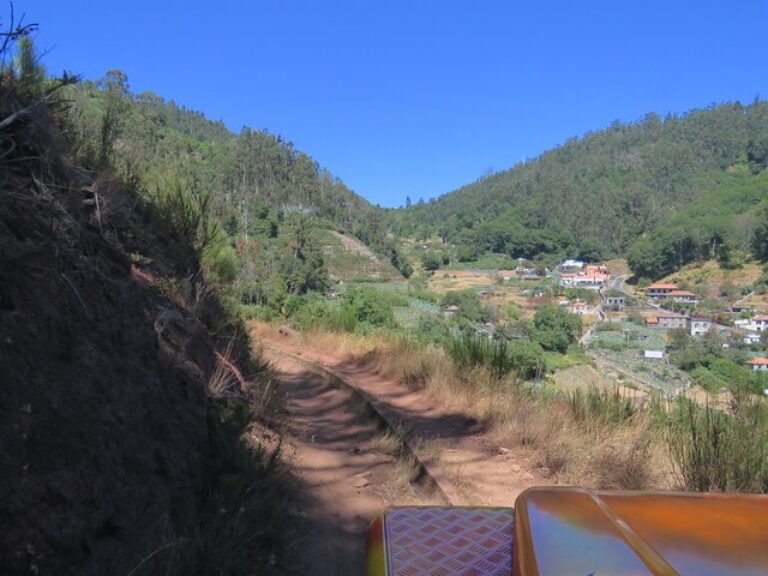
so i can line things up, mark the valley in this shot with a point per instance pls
(217, 358)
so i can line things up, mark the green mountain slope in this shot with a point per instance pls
(248, 174)
(596, 196)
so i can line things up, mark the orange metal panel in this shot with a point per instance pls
(571, 531)
(563, 531)
(375, 554)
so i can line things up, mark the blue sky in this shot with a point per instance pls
(416, 98)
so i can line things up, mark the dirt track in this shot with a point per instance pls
(334, 447)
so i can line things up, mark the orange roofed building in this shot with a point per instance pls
(661, 290)
(758, 364)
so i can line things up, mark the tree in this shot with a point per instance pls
(526, 357)
(115, 88)
(431, 261)
(554, 328)
(29, 72)
(370, 307)
(679, 339)
(760, 238)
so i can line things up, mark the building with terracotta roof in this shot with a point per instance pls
(758, 364)
(660, 290)
(580, 308)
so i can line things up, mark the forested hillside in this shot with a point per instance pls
(685, 186)
(268, 201)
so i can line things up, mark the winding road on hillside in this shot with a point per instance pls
(335, 446)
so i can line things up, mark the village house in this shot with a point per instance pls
(660, 291)
(752, 337)
(759, 323)
(571, 266)
(683, 296)
(579, 281)
(758, 364)
(667, 321)
(615, 302)
(596, 270)
(580, 308)
(700, 326)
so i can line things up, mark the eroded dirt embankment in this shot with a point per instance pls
(106, 464)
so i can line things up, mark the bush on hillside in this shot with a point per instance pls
(554, 328)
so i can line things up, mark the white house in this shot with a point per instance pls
(683, 296)
(571, 266)
(752, 337)
(759, 323)
(700, 326)
(578, 281)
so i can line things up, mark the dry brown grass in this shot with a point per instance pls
(627, 455)
(593, 453)
(714, 278)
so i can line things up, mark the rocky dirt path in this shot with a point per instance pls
(469, 464)
(338, 454)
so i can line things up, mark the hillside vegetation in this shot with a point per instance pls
(666, 191)
(267, 196)
(128, 394)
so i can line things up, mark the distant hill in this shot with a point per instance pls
(599, 195)
(249, 173)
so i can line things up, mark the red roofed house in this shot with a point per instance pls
(596, 270)
(579, 308)
(660, 291)
(758, 364)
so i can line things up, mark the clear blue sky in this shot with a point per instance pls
(417, 98)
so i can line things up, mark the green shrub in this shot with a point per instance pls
(185, 208)
(313, 311)
(526, 358)
(609, 327)
(373, 307)
(604, 404)
(715, 451)
(468, 301)
(554, 328)
(221, 261)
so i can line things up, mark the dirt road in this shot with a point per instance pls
(337, 452)
(349, 479)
